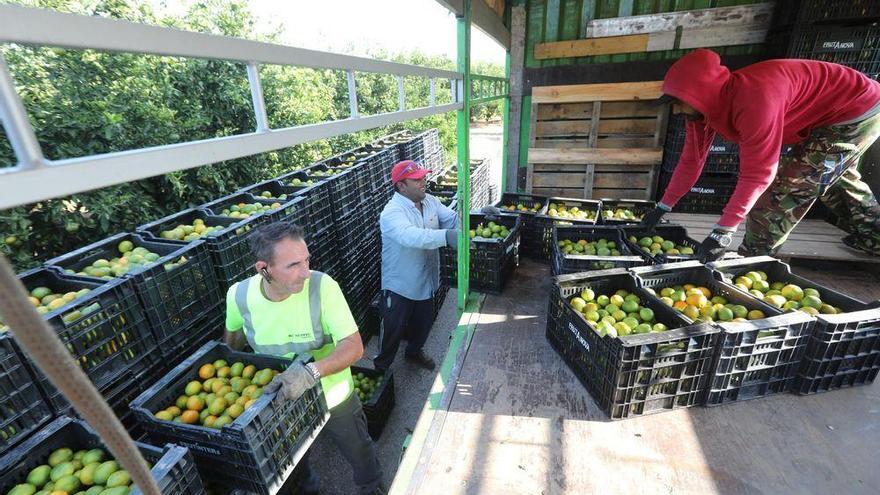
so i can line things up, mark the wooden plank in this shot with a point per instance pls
(565, 143)
(618, 180)
(553, 168)
(559, 192)
(559, 180)
(645, 156)
(594, 135)
(689, 19)
(532, 137)
(811, 226)
(619, 167)
(628, 126)
(622, 142)
(592, 46)
(650, 90)
(732, 36)
(654, 42)
(565, 111)
(630, 109)
(563, 128)
(621, 193)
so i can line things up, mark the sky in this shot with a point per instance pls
(356, 26)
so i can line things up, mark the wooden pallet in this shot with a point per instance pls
(596, 140)
(811, 239)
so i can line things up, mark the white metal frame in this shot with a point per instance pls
(36, 178)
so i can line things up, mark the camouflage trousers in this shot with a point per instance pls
(823, 167)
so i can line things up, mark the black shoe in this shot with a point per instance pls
(421, 359)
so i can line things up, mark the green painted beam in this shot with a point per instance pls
(463, 26)
(505, 131)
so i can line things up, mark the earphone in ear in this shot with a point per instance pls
(265, 273)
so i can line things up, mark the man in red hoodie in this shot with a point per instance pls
(828, 113)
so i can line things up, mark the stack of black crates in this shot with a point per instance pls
(843, 32)
(716, 183)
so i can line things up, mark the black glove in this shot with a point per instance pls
(652, 218)
(715, 245)
(490, 211)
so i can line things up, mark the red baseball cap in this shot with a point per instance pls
(407, 169)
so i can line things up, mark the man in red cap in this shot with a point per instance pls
(414, 226)
(829, 113)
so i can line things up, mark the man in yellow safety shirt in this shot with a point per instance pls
(286, 310)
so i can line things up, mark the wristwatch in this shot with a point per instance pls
(314, 371)
(723, 238)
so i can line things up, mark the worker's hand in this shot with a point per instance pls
(452, 239)
(291, 384)
(490, 211)
(653, 217)
(715, 245)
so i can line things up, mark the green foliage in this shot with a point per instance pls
(83, 102)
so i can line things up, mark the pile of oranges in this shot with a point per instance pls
(700, 305)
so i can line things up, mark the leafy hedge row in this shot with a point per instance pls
(83, 102)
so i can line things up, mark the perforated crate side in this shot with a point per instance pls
(675, 233)
(843, 349)
(23, 410)
(491, 261)
(639, 207)
(574, 263)
(754, 358)
(378, 406)
(173, 468)
(171, 298)
(106, 330)
(260, 448)
(635, 374)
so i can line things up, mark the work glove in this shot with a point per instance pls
(452, 239)
(291, 384)
(715, 245)
(653, 217)
(490, 211)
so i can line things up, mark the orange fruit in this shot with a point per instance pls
(691, 312)
(706, 292)
(189, 417)
(206, 371)
(679, 305)
(174, 410)
(697, 300)
(195, 404)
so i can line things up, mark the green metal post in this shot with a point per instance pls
(464, 161)
(505, 124)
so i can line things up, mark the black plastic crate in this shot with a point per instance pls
(531, 242)
(380, 159)
(421, 145)
(708, 195)
(316, 202)
(639, 208)
(172, 298)
(378, 406)
(855, 46)
(789, 12)
(22, 407)
(544, 221)
(492, 261)
(531, 204)
(843, 349)
(321, 249)
(439, 298)
(675, 233)
(635, 374)
(228, 245)
(344, 188)
(574, 263)
(173, 467)
(274, 190)
(260, 448)
(196, 334)
(723, 156)
(754, 358)
(105, 330)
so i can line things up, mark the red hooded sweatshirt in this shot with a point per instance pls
(759, 107)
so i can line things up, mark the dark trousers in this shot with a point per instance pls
(402, 318)
(347, 427)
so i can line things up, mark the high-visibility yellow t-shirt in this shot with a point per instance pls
(290, 321)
